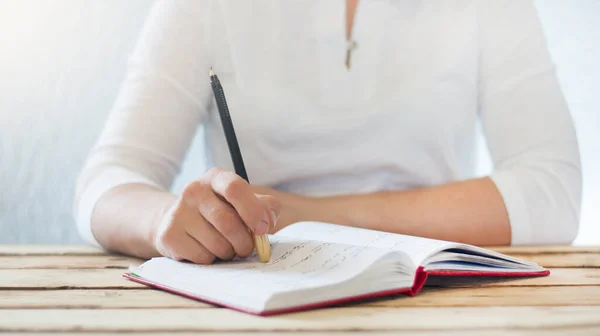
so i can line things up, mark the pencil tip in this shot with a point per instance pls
(211, 73)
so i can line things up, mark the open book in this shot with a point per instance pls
(318, 264)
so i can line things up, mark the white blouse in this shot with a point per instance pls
(403, 116)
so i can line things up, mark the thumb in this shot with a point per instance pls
(272, 206)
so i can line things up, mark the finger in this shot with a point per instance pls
(225, 221)
(198, 223)
(208, 236)
(237, 192)
(271, 204)
(188, 248)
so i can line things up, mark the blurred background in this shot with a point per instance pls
(62, 62)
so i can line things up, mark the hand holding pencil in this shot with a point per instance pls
(261, 241)
(218, 216)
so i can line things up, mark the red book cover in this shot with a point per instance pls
(419, 282)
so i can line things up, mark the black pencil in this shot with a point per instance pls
(234, 148)
(263, 247)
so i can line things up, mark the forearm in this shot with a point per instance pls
(471, 211)
(125, 218)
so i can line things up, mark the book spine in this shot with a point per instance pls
(419, 282)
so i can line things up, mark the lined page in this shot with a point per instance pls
(418, 249)
(295, 264)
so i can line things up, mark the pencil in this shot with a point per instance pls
(261, 243)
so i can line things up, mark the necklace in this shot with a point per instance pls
(351, 45)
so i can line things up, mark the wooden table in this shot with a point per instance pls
(80, 290)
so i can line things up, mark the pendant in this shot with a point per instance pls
(350, 47)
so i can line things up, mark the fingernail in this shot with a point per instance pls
(273, 217)
(262, 227)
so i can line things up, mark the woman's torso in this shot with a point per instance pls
(403, 116)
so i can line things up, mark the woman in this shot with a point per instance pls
(379, 135)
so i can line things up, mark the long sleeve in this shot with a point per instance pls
(162, 101)
(527, 125)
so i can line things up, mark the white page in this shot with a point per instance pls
(418, 249)
(295, 264)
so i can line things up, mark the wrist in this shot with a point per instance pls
(332, 209)
(313, 209)
(165, 203)
(296, 209)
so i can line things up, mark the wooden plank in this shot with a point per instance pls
(557, 277)
(545, 249)
(574, 260)
(563, 260)
(339, 319)
(95, 298)
(34, 249)
(498, 332)
(112, 279)
(67, 261)
(429, 297)
(65, 278)
(78, 249)
(496, 296)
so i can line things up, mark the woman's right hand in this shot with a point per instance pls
(213, 218)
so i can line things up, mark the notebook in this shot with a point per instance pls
(316, 265)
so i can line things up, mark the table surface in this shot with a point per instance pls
(80, 290)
